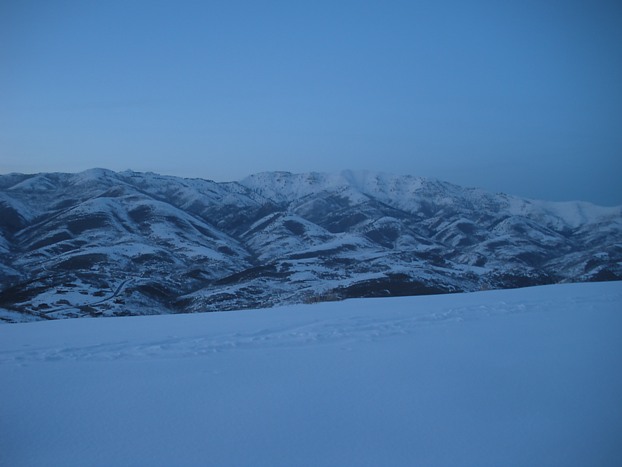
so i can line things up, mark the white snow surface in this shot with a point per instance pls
(515, 377)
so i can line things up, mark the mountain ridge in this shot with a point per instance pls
(105, 243)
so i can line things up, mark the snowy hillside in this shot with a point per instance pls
(516, 377)
(101, 243)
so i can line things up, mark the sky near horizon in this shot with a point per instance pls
(522, 97)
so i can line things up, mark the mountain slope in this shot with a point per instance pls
(101, 243)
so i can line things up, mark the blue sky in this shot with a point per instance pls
(523, 97)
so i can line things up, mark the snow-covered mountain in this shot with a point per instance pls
(101, 243)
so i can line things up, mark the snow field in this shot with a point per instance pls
(514, 377)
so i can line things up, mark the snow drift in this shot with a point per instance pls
(517, 377)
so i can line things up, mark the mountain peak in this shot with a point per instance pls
(101, 243)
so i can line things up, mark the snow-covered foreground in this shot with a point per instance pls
(519, 377)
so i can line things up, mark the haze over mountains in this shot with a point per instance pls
(101, 243)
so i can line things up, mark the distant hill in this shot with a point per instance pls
(101, 243)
